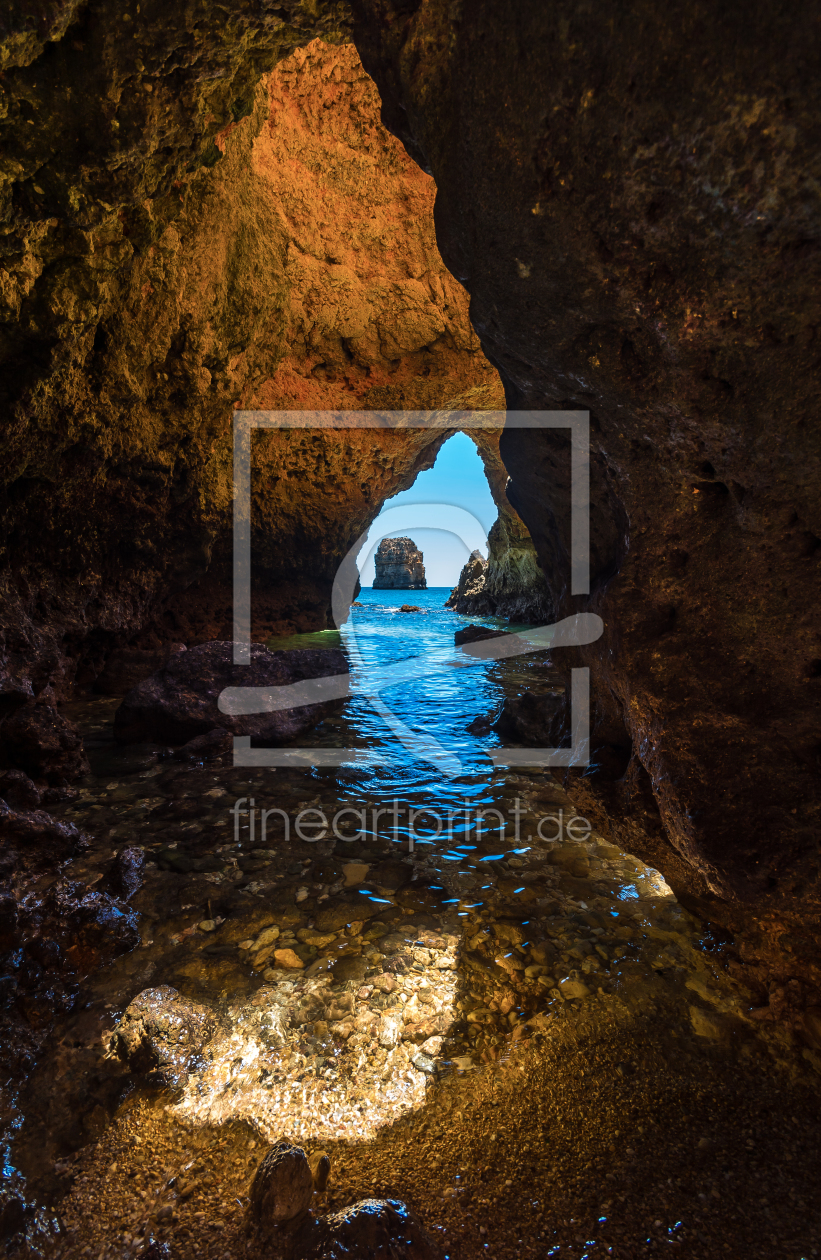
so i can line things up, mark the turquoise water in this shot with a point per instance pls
(418, 714)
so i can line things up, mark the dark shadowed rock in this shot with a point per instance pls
(163, 1031)
(8, 921)
(41, 837)
(93, 922)
(373, 1229)
(534, 719)
(282, 1189)
(126, 667)
(17, 788)
(475, 634)
(39, 741)
(14, 693)
(205, 747)
(705, 536)
(178, 703)
(125, 876)
(320, 1164)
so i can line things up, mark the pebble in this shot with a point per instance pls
(287, 959)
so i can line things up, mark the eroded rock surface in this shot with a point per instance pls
(233, 235)
(282, 1189)
(640, 241)
(399, 566)
(161, 1031)
(38, 740)
(179, 703)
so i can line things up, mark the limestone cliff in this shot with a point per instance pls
(399, 566)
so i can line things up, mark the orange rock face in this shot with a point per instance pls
(373, 318)
(299, 270)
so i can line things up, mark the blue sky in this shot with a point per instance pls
(438, 500)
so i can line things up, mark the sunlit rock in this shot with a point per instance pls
(399, 566)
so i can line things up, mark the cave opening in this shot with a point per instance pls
(514, 934)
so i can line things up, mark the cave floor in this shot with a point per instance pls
(526, 1039)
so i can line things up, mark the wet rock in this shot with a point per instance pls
(373, 1229)
(155, 1250)
(288, 960)
(51, 939)
(469, 588)
(125, 875)
(480, 726)
(476, 634)
(399, 566)
(282, 1189)
(571, 988)
(43, 838)
(410, 608)
(12, 1217)
(336, 916)
(161, 1030)
(320, 1164)
(39, 741)
(571, 858)
(354, 873)
(534, 719)
(390, 1029)
(206, 747)
(509, 583)
(180, 702)
(18, 789)
(390, 875)
(350, 968)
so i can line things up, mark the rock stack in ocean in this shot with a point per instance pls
(399, 566)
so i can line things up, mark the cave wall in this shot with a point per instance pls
(631, 197)
(510, 584)
(631, 200)
(213, 234)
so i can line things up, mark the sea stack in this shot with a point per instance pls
(399, 566)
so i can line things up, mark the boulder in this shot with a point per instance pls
(39, 835)
(475, 634)
(125, 874)
(282, 1189)
(18, 790)
(373, 1229)
(161, 1030)
(39, 741)
(205, 747)
(179, 703)
(534, 719)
